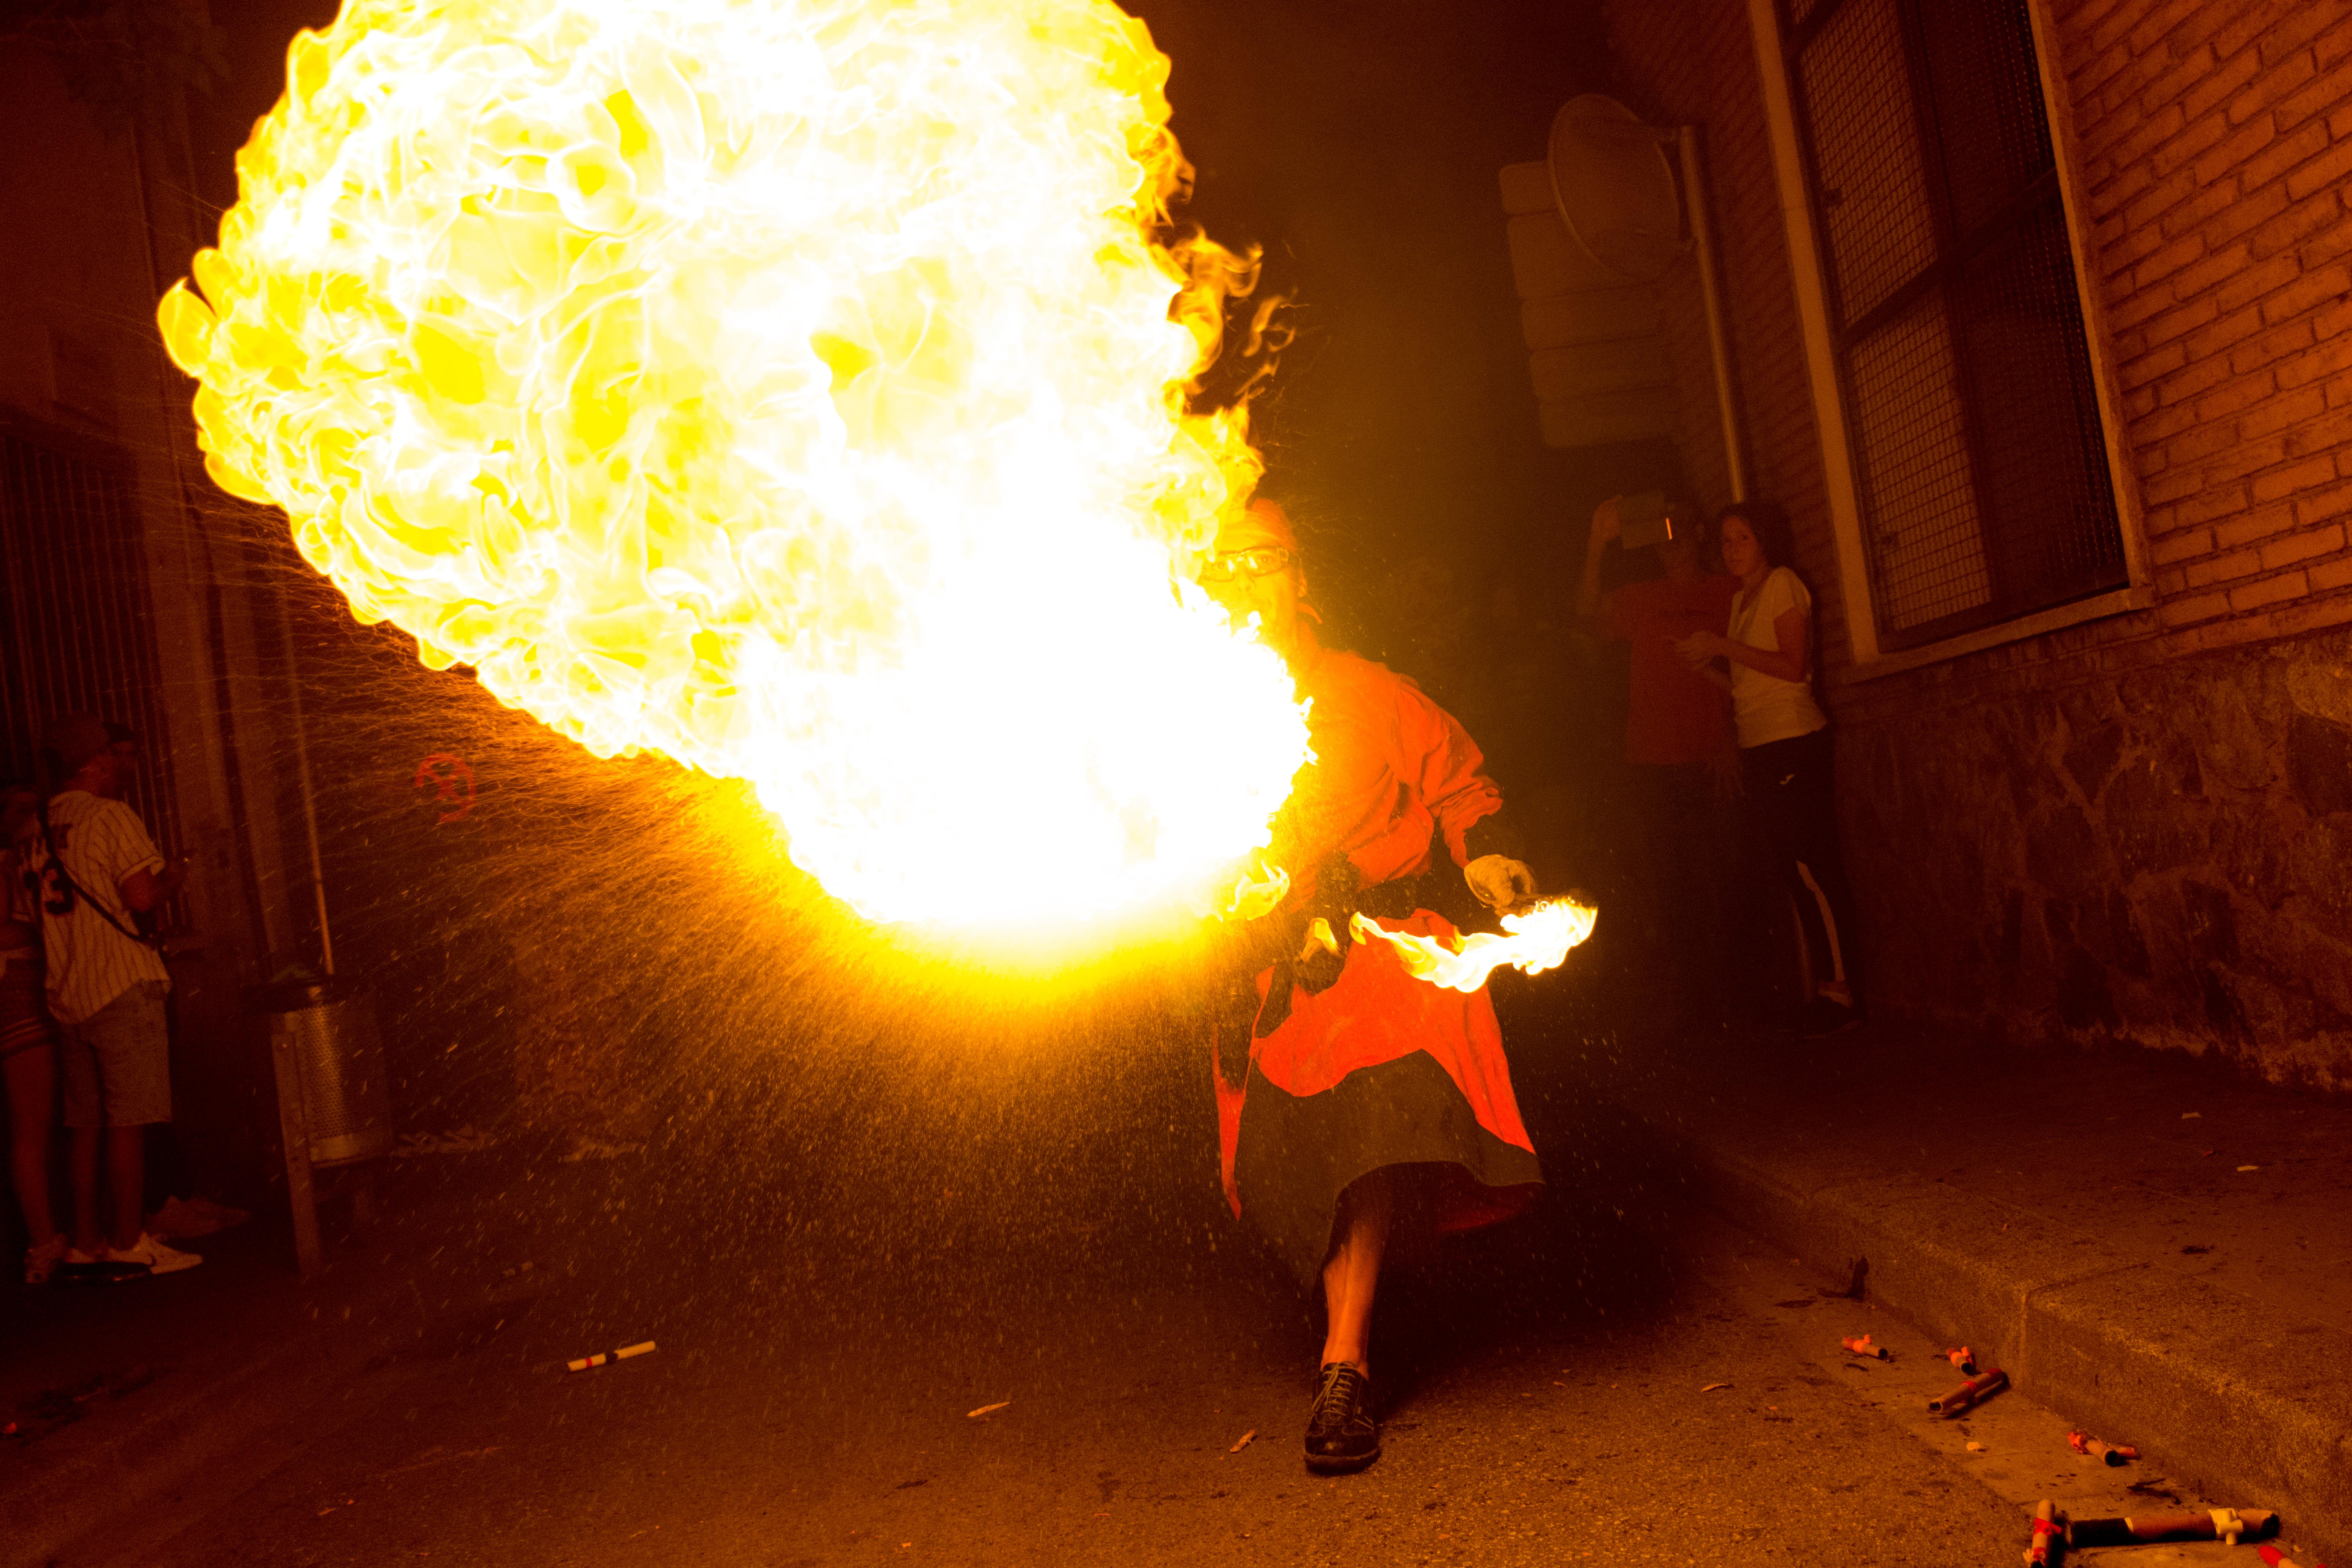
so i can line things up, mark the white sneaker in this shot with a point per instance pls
(151, 1254)
(40, 1262)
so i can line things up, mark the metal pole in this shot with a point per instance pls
(285, 625)
(302, 778)
(232, 768)
(1718, 340)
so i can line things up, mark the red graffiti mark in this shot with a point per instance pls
(452, 780)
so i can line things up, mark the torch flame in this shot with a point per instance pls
(793, 387)
(1538, 938)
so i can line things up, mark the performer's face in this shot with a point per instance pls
(1253, 573)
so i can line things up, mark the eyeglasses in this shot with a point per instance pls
(1244, 563)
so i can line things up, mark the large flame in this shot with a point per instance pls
(794, 387)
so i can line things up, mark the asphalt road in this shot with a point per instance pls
(1550, 1386)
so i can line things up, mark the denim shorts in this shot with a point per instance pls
(118, 1062)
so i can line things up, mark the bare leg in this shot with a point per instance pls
(1367, 1211)
(126, 1173)
(81, 1157)
(32, 1097)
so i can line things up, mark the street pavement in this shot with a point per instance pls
(1618, 1377)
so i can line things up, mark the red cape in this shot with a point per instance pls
(1393, 772)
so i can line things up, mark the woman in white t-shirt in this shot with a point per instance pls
(1784, 746)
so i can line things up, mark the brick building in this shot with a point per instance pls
(2091, 665)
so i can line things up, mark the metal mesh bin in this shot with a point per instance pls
(329, 1035)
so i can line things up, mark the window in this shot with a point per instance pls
(1981, 463)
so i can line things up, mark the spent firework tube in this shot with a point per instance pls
(1968, 1394)
(601, 1357)
(1860, 1345)
(2228, 1524)
(1963, 1360)
(2113, 1454)
(2046, 1527)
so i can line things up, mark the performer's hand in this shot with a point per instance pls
(1500, 882)
(1319, 970)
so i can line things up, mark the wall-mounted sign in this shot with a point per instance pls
(451, 779)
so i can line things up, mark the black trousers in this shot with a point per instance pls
(1791, 820)
(1687, 837)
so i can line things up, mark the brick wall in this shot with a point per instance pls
(2214, 140)
(2140, 828)
(1691, 63)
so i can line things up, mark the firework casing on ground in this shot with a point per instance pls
(2082, 1443)
(1977, 1388)
(601, 1358)
(2214, 1524)
(2047, 1526)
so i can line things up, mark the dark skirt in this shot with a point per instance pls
(1296, 1154)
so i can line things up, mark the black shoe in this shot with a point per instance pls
(1342, 1435)
(1825, 1017)
(104, 1271)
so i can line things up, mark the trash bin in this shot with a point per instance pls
(327, 1030)
(334, 1106)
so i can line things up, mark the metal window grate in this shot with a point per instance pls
(1966, 371)
(2044, 472)
(1926, 542)
(1872, 178)
(75, 634)
(1986, 99)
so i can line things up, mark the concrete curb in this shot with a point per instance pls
(2218, 1390)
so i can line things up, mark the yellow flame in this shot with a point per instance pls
(793, 387)
(1537, 939)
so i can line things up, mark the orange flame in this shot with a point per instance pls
(1536, 939)
(793, 387)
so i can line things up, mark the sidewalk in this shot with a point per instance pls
(2159, 1252)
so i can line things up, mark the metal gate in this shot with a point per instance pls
(76, 633)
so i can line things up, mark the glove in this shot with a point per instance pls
(1318, 965)
(1501, 883)
(1304, 961)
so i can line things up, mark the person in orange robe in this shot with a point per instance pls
(1347, 1090)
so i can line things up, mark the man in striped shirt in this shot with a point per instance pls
(95, 871)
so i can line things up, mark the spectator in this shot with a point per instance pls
(28, 1038)
(1784, 750)
(98, 871)
(1678, 743)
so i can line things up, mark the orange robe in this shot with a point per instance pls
(1394, 775)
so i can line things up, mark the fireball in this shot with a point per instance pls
(795, 388)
